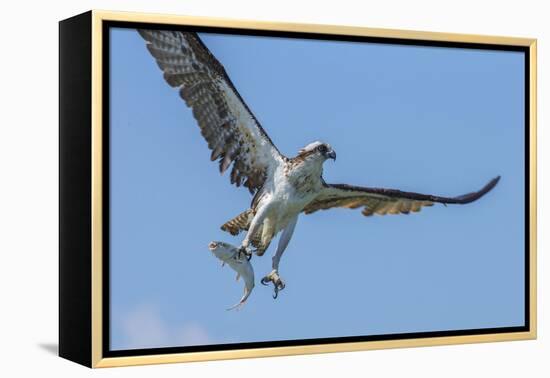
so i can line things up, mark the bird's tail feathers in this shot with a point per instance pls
(239, 223)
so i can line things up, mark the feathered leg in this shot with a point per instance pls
(274, 277)
(253, 228)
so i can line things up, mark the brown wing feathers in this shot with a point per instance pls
(231, 130)
(235, 136)
(393, 193)
(385, 201)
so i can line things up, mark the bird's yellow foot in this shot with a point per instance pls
(278, 283)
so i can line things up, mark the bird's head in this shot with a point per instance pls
(317, 151)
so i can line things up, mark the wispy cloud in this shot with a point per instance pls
(144, 327)
(194, 334)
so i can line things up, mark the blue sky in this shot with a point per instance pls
(427, 119)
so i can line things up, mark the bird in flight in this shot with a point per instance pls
(282, 187)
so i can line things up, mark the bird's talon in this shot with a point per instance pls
(244, 251)
(278, 284)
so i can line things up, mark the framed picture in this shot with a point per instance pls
(196, 150)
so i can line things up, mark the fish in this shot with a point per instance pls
(229, 254)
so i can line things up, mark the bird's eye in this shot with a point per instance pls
(322, 148)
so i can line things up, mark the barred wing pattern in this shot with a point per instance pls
(233, 133)
(385, 201)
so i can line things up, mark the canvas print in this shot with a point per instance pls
(269, 188)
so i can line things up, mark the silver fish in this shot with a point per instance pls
(229, 254)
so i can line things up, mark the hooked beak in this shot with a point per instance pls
(331, 155)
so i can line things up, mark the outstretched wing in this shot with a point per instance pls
(233, 133)
(385, 201)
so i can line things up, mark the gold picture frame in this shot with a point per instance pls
(82, 335)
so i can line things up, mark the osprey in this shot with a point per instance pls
(282, 187)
